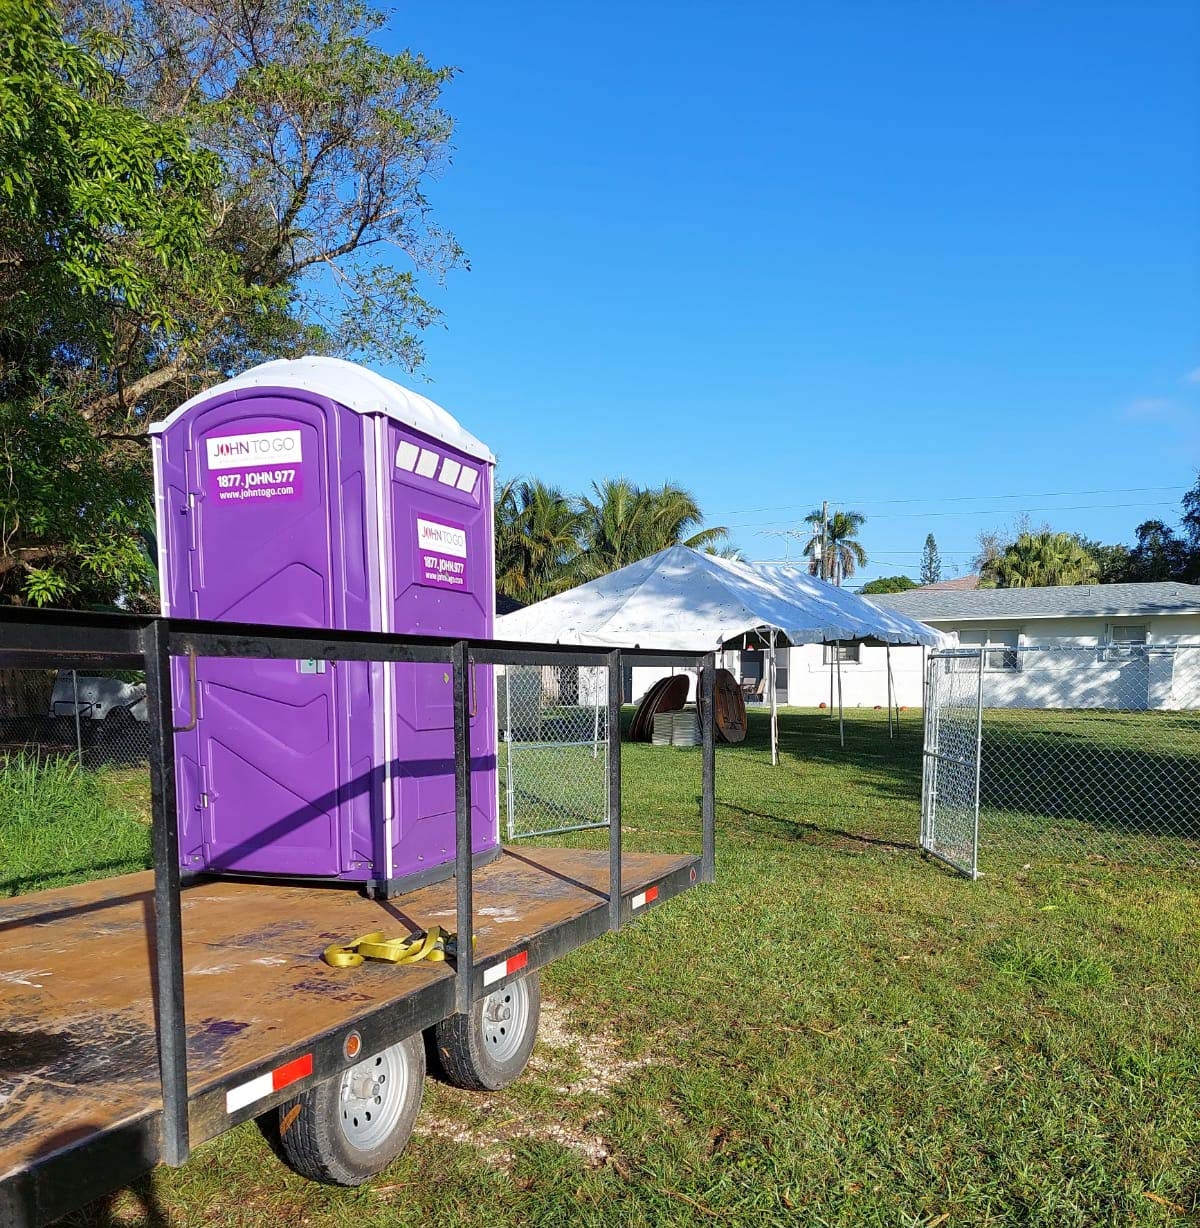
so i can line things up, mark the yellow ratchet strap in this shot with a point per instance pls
(429, 946)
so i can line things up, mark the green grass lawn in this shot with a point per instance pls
(836, 1033)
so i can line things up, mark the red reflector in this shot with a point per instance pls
(289, 1073)
(651, 894)
(516, 962)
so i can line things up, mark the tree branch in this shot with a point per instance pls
(30, 554)
(133, 393)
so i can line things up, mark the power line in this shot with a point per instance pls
(989, 511)
(1040, 494)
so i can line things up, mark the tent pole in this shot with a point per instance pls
(841, 716)
(831, 686)
(774, 707)
(888, 650)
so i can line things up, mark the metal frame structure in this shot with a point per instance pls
(33, 638)
(934, 756)
(510, 772)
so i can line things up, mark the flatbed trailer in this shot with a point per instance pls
(140, 1016)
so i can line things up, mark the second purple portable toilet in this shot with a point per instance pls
(315, 493)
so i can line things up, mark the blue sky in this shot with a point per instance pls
(932, 261)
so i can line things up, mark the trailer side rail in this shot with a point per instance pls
(33, 639)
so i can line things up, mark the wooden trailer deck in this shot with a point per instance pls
(78, 1059)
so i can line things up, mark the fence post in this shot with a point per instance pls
(614, 789)
(78, 729)
(708, 784)
(927, 762)
(463, 883)
(171, 1025)
(978, 764)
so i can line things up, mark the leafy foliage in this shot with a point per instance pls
(1037, 559)
(931, 561)
(888, 584)
(547, 541)
(621, 523)
(103, 214)
(1158, 554)
(835, 553)
(537, 540)
(1112, 561)
(185, 189)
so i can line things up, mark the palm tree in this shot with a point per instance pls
(537, 540)
(622, 523)
(1038, 559)
(835, 554)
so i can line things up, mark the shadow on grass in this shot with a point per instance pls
(1033, 769)
(1136, 774)
(798, 826)
(69, 875)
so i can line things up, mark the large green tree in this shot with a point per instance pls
(1038, 559)
(189, 186)
(888, 584)
(622, 522)
(1158, 553)
(931, 561)
(103, 212)
(537, 540)
(833, 550)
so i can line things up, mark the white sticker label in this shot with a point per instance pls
(441, 538)
(246, 451)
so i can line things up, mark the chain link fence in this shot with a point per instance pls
(950, 772)
(554, 748)
(1084, 751)
(97, 720)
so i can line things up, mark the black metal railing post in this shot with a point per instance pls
(614, 790)
(708, 802)
(168, 926)
(463, 884)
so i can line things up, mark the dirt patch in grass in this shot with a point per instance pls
(566, 1069)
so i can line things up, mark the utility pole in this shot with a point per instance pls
(825, 569)
(824, 539)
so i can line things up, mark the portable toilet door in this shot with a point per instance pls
(440, 582)
(274, 494)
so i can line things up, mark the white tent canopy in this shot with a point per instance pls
(682, 600)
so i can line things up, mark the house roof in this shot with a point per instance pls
(960, 584)
(1063, 601)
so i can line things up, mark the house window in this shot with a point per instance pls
(1126, 640)
(848, 654)
(1001, 645)
(1127, 634)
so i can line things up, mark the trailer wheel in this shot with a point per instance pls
(347, 1128)
(487, 1049)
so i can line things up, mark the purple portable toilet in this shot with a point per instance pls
(316, 493)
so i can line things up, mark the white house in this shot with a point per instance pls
(1101, 642)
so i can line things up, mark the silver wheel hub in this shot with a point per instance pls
(505, 1020)
(372, 1098)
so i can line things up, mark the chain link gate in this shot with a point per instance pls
(1060, 752)
(951, 759)
(554, 745)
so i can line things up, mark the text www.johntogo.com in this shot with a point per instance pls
(256, 492)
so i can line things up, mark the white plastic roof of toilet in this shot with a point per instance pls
(356, 387)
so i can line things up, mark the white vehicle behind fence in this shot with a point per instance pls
(97, 699)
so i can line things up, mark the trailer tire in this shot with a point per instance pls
(489, 1048)
(346, 1129)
